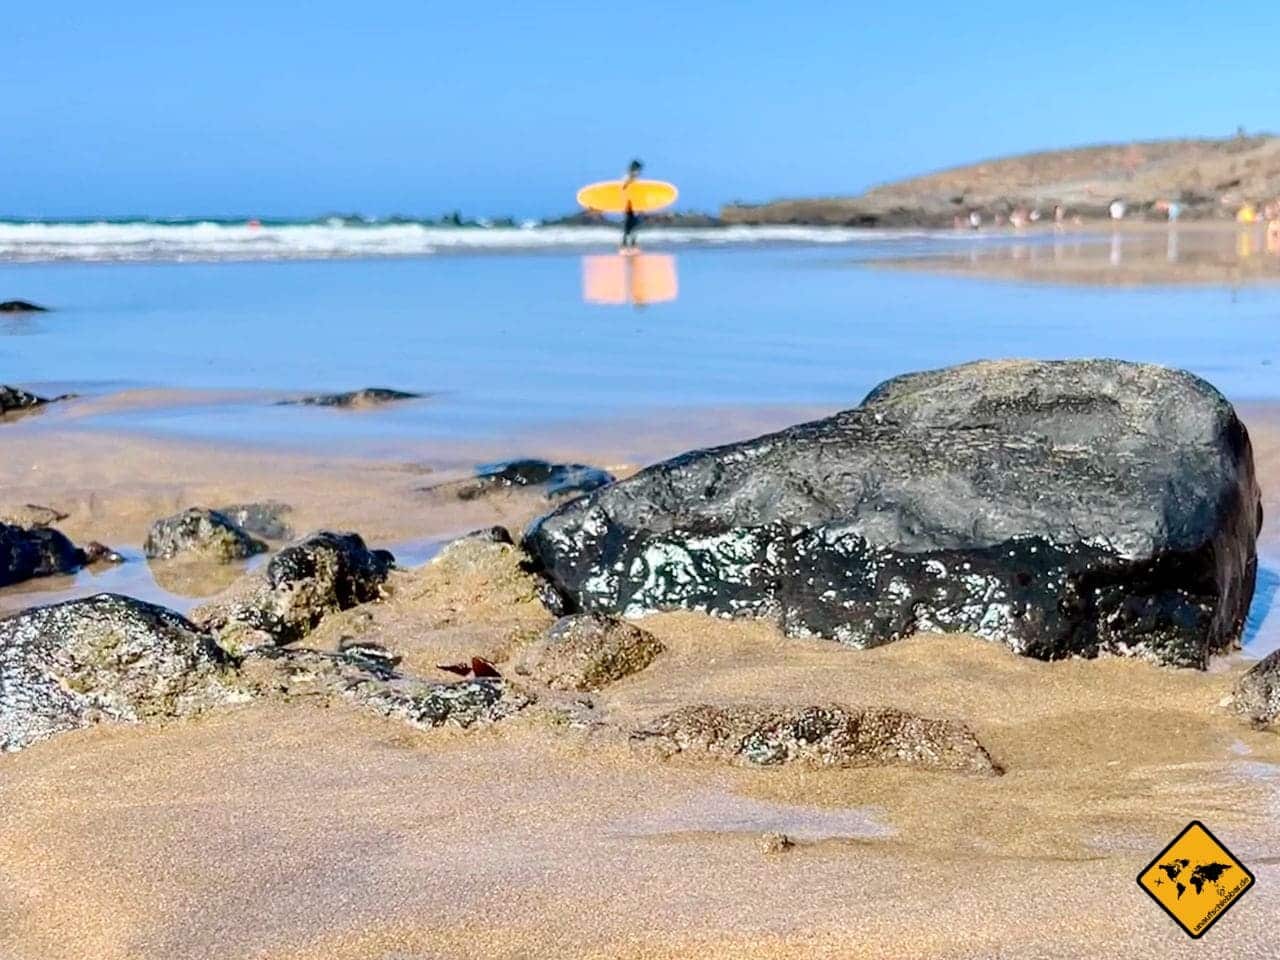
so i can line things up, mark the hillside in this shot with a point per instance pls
(1210, 178)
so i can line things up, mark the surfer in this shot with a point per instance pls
(631, 220)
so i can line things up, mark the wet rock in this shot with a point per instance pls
(491, 535)
(587, 652)
(372, 682)
(14, 399)
(35, 552)
(200, 533)
(21, 306)
(1068, 508)
(824, 736)
(95, 552)
(104, 658)
(1257, 693)
(264, 519)
(369, 397)
(556, 479)
(30, 515)
(324, 573)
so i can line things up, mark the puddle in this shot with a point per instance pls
(714, 811)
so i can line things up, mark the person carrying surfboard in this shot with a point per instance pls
(631, 220)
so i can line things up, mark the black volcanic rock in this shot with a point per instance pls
(1068, 508)
(21, 306)
(368, 397)
(556, 479)
(15, 398)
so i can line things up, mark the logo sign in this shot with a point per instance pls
(1195, 879)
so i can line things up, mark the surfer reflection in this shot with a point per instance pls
(631, 220)
(639, 279)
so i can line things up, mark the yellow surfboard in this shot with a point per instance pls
(611, 196)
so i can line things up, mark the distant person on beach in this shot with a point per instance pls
(1117, 209)
(631, 220)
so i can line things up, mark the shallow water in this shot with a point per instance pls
(503, 340)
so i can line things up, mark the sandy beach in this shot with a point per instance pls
(307, 829)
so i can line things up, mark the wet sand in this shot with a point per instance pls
(291, 831)
(1123, 255)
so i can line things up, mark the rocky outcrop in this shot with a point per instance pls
(1068, 508)
(104, 658)
(21, 306)
(264, 519)
(368, 397)
(823, 736)
(27, 552)
(322, 574)
(1257, 693)
(587, 652)
(197, 533)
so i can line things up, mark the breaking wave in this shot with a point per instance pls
(211, 240)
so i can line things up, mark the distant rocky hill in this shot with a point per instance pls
(1209, 178)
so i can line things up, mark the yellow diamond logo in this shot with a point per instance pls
(1195, 879)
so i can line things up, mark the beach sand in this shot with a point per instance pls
(299, 830)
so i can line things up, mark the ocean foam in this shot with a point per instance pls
(212, 241)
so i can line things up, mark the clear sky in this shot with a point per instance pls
(261, 107)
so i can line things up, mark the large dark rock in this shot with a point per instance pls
(104, 658)
(322, 574)
(1066, 508)
(200, 533)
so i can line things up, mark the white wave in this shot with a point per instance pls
(145, 241)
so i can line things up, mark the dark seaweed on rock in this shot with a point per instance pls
(1068, 508)
(368, 397)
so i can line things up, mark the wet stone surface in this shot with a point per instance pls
(1063, 509)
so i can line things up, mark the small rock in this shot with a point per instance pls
(587, 652)
(369, 397)
(37, 552)
(822, 736)
(265, 519)
(1257, 693)
(21, 306)
(95, 552)
(200, 533)
(104, 658)
(14, 399)
(557, 479)
(771, 843)
(322, 574)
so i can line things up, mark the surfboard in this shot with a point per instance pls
(609, 196)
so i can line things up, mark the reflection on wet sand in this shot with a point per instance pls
(1211, 254)
(639, 279)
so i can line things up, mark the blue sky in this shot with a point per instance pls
(291, 109)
